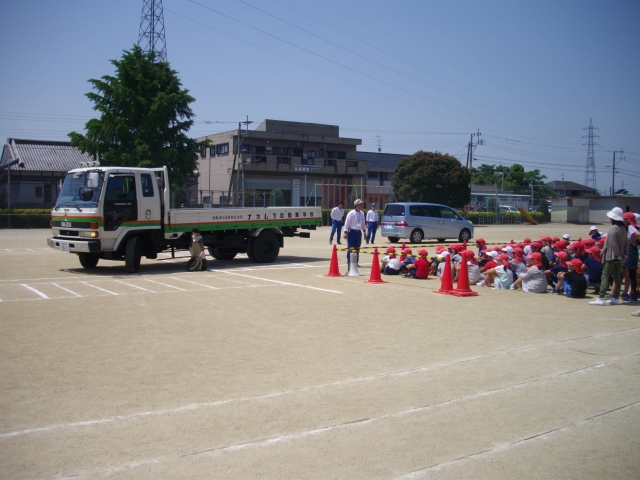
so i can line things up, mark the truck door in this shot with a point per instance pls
(149, 200)
(120, 202)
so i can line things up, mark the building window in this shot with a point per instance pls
(352, 163)
(212, 151)
(268, 151)
(321, 153)
(284, 159)
(297, 152)
(203, 152)
(329, 163)
(340, 155)
(258, 159)
(222, 149)
(307, 161)
(372, 175)
(38, 192)
(260, 150)
(311, 154)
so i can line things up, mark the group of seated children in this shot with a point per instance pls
(565, 267)
(408, 265)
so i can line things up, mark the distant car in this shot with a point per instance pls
(419, 221)
(507, 208)
(534, 208)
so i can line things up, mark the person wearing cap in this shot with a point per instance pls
(354, 227)
(630, 265)
(518, 262)
(442, 259)
(406, 258)
(527, 246)
(373, 220)
(572, 282)
(481, 245)
(196, 248)
(490, 262)
(593, 267)
(336, 222)
(473, 270)
(534, 279)
(546, 247)
(560, 266)
(594, 233)
(537, 247)
(390, 264)
(501, 276)
(615, 251)
(566, 237)
(421, 267)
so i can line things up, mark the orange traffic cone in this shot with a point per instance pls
(334, 270)
(446, 287)
(465, 244)
(375, 277)
(402, 255)
(463, 289)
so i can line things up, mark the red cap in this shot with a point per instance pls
(481, 240)
(630, 216)
(594, 250)
(560, 244)
(470, 256)
(423, 252)
(562, 256)
(406, 251)
(538, 245)
(555, 239)
(547, 239)
(577, 264)
(588, 242)
(391, 250)
(536, 257)
(440, 249)
(527, 241)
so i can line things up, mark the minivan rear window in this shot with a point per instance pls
(394, 210)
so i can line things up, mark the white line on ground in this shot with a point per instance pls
(37, 292)
(101, 289)
(134, 286)
(278, 282)
(67, 290)
(166, 285)
(196, 283)
(197, 406)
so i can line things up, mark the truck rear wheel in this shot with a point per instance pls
(88, 260)
(266, 247)
(132, 255)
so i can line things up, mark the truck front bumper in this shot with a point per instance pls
(75, 246)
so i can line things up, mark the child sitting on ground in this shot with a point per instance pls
(572, 283)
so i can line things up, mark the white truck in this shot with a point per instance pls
(121, 213)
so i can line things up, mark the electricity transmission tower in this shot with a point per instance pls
(590, 170)
(151, 36)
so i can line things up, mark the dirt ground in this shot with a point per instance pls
(276, 371)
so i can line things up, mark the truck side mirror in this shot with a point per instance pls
(160, 181)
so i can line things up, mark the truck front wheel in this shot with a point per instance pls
(132, 255)
(88, 260)
(266, 247)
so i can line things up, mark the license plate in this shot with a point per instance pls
(64, 247)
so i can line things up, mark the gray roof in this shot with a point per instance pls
(562, 185)
(42, 155)
(380, 162)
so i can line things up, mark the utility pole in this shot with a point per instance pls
(613, 170)
(379, 143)
(590, 169)
(471, 147)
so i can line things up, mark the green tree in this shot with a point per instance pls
(432, 177)
(144, 117)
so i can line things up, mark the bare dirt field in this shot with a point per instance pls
(275, 371)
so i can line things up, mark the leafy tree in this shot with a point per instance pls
(516, 179)
(145, 115)
(432, 177)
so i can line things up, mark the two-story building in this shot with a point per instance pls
(281, 162)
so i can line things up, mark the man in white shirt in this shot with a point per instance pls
(336, 222)
(354, 227)
(373, 219)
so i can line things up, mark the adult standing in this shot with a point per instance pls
(615, 251)
(354, 227)
(373, 220)
(336, 222)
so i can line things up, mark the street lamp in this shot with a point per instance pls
(8, 166)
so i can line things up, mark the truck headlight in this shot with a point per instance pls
(89, 234)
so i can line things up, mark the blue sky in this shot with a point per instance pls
(420, 74)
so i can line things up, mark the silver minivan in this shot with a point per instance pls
(418, 221)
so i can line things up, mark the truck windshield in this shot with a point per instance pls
(80, 190)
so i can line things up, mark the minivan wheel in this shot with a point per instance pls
(394, 239)
(416, 236)
(465, 235)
